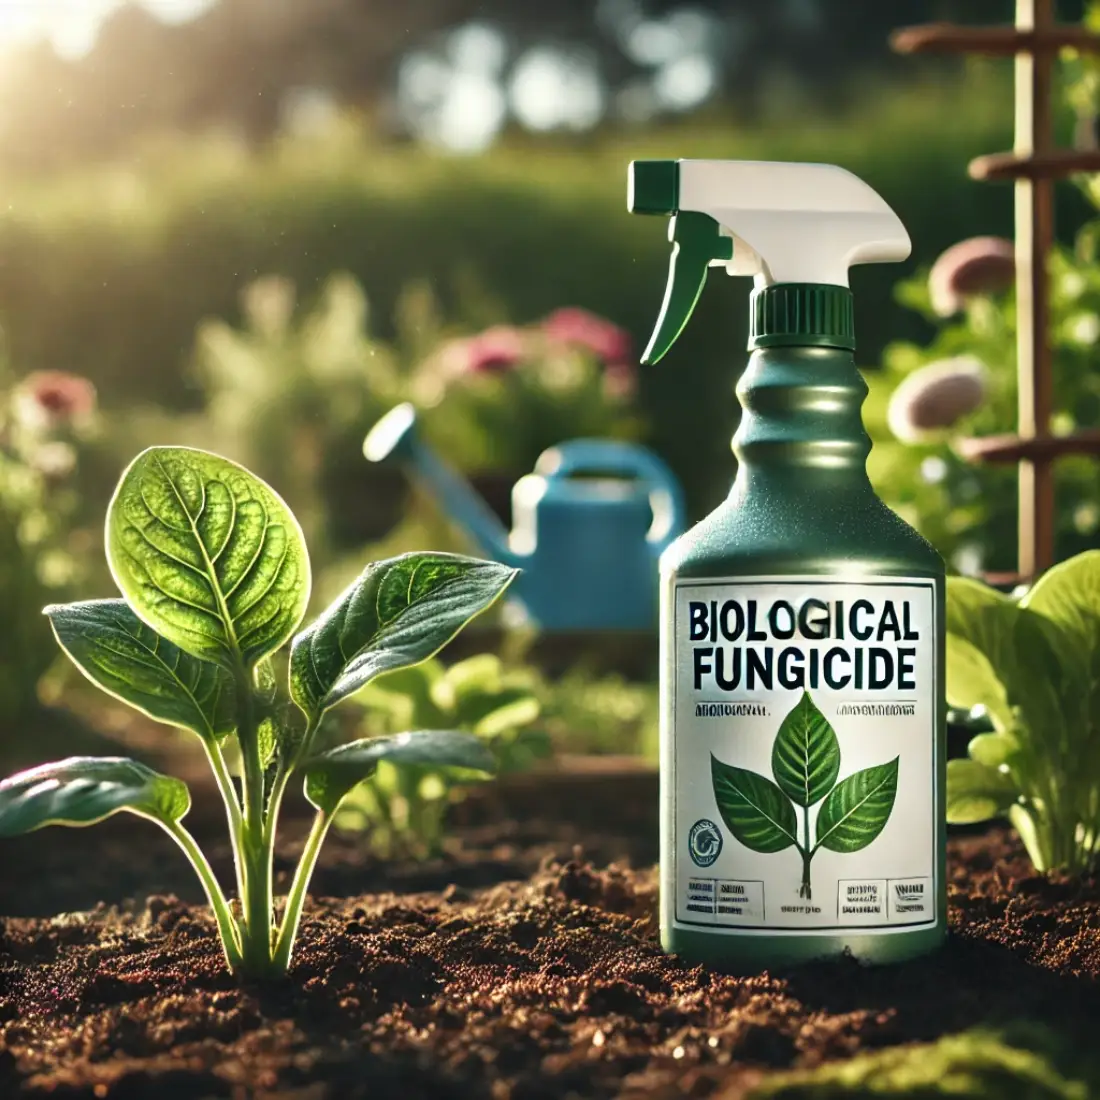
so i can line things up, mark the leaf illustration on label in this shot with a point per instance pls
(857, 808)
(806, 754)
(754, 809)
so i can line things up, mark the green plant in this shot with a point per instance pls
(215, 577)
(1033, 663)
(601, 714)
(762, 815)
(402, 809)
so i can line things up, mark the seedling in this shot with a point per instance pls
(1034, 665)
(765, 817)
(402, 809)
(216, 579)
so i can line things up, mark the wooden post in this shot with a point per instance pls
(1034, 165)
(1034, 237)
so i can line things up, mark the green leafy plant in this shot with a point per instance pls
(1033, 664)
(763, 815)
(402, 808)
(601, 714)
(215, 577)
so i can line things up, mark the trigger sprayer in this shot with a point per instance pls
(801, 631)
(798, 226)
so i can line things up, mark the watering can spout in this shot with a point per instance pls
(394, 437)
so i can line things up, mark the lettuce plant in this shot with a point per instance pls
(215, 577)
(1034, 665)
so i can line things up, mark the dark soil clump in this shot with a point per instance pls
(550, 988)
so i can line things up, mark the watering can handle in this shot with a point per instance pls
(625, 460)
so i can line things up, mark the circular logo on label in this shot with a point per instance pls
(704, 842)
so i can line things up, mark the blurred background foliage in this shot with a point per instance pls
(256, 225)
(110, 270)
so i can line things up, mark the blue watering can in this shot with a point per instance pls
(588, 545)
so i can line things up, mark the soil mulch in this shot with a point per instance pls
(550, 987)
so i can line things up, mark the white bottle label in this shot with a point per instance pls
(801, 743)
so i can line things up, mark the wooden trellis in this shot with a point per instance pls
(1034, 164)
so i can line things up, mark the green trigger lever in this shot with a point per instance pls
(696, 243)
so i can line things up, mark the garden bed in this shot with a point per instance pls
(522, 965)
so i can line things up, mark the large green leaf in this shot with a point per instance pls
(754, 809)
(1026, 651)
(208, 555)
(131, 661)
(399, 612)
(1067, 601)
(993, 749)
(1052, 688)
(331, 775)
(971, 681)
(806, 754)
(85, 789)
(986, 619)
(1069, 595)
(857, 808)
(976, 792)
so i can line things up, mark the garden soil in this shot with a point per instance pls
(522, 965)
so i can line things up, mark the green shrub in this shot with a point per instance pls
(109, 272)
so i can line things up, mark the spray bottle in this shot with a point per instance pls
(802, 640)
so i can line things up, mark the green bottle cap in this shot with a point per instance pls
(802, 315)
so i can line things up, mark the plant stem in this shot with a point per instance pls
(274, 803)
(295, 900)
(807, 854)
(804, 890)
(227, 927)
(253, 778)
(232, 809)
(282, 776)
(256, 902)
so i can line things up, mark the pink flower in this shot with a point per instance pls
(54, 398)
(582, 329)
(495, 350)
(979, 265)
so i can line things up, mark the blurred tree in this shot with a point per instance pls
(235, 65)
